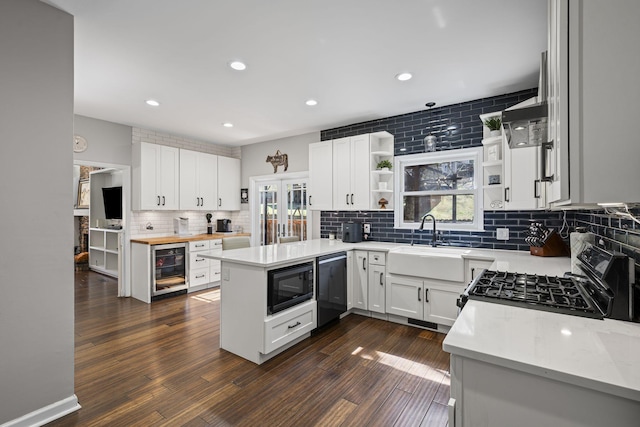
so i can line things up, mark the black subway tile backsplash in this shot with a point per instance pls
(458, 126)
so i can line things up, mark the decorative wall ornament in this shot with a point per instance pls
(278, 159)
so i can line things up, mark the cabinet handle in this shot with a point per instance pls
(219, 202)
(200, 259)
(544, 147)
(347, 198)
(506, 194)
(294, 325)
(536, 193)
(162, 200)
(351, 198)
(426, 294)
(473, 270)
(158, 200)
(197, 201)
(381, 276)
(364, 265)
(200, 276)
(419, 292)
(200, 246)
(310, 204)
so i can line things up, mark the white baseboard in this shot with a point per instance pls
(46, 414)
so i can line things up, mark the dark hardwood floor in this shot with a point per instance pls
(160, 364)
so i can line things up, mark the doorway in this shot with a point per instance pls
(279, 209)
(107, 246)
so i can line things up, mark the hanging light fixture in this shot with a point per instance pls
(430, 141)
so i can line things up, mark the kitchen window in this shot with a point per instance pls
(446, 184)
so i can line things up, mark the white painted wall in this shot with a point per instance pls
(108, 142)
(36, 249)
(254, 156)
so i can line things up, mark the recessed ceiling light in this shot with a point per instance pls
(403, 76)
(152, 102)
(227, 125)
(237, 65)
(311, 102)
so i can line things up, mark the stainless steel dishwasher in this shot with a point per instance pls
(331, 287)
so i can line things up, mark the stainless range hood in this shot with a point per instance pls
(526, 126)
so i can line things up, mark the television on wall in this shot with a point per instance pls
(112, 197)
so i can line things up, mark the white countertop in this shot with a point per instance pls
(603, 355)
(274, 255)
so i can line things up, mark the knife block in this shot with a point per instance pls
(554, 246)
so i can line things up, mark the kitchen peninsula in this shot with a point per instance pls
(247, 330)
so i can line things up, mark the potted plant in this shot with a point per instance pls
(384, 165)
(494, 124)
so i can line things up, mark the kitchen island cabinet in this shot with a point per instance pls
(517, 366)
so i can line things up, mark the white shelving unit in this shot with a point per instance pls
(493, 180)
(381, 185)
(104, 251)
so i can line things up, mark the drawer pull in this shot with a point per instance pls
(200, 259)
(200, 276)
(294, 325)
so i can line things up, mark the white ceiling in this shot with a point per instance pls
(343, 53)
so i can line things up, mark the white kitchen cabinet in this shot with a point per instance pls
(246, 329)
(592, 97)
(404, 296)
(376, 281)
(423, 299)
(228, 184)
(204, 272)
(523, 188)
(351, 173)
(321, 176)
(360, 280)
(198, 181)
(440, 301)
(473, 267)
(155, 177)
(350, 257)
(498, 395)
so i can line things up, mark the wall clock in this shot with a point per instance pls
(79, 144)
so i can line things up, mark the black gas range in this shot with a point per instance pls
(605, 290)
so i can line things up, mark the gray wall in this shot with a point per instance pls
(36, 256)
(107, 142)
(296, 147)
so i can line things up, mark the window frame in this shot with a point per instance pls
(401, 162)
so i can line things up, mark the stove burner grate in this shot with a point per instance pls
(559, 294)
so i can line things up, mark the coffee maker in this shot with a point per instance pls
(352, 232)
(223, 226)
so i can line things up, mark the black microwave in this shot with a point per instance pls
(289, 286)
